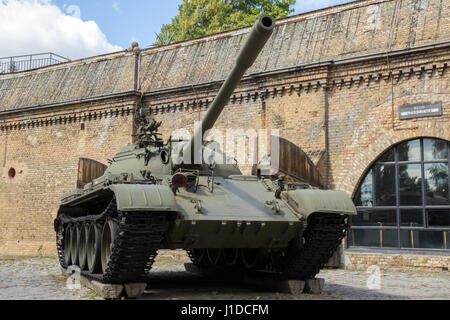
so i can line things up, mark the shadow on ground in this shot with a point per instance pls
(180, 285)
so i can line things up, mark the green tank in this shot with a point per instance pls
(155, 195)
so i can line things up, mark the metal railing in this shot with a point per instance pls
(28, 62)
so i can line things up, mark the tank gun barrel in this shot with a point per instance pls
(259, 34)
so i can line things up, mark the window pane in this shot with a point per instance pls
(373, 238)
(438, 217)
(436, 184)
(409, 151)
(435, 149)
(422, 239)
(428, 179)
(378, 218)
(388, 156)
(364, 195)
(410, 185)
(384, 176)
(411, 218)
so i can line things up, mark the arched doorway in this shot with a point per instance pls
(403, 201)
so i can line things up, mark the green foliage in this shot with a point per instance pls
(198, 18)
(166, 36)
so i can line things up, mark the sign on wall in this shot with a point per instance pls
(420, 110)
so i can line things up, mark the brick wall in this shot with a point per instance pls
(397, 261)
(45, 157)
(364, 119)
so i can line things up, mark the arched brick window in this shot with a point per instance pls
(404, 200)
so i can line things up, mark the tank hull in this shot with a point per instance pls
(212, 218)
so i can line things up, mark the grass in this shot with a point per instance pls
(90, 295)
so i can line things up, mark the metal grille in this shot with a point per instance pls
(28, 62)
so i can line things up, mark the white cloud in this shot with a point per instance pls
(34, 26)
(116, 7)
(310, 5)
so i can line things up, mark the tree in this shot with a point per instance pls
(198, 18)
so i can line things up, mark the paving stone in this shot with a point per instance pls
(36, 279)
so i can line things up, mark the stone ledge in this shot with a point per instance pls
(111, 291)
(396, 261)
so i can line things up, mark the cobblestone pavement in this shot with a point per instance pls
(41, 278)
(346, 284)
(171, 282)
(36, 279)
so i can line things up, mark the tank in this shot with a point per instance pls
(157, 194)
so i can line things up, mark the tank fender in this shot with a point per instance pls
(144, 197)
(306, 202)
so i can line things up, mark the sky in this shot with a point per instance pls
(82, 28)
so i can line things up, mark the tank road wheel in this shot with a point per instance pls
(254, 258)
(94, 245)
(231, 256)
(214, 256)
(67, 250)
(82, 244)
(74, 244)
(108, 237)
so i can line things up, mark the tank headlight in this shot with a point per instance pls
(179, 180)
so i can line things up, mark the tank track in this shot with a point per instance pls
(303, 259)
(322, 237)
(138, 237)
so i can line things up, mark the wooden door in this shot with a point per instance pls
(296, 165)
(89, 170)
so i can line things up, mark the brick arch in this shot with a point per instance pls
(354, 171)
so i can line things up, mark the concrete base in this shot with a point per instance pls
(314, 286)
(106, 291)
(134, 290)
(110, 291)
(294, 287)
